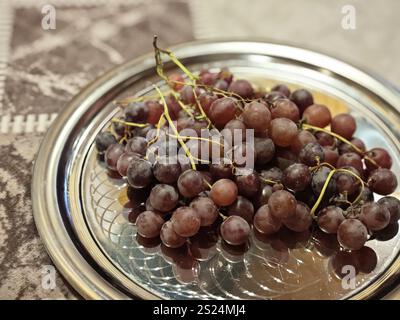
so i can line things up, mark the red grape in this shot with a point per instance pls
(224, 192)
(283, 131)
(317, 115)
(163, 197)
(393, 205)
(149, 224)
(256, 116)
(265, 222)
(190, 183)
(169, 237)
(242, 88)
(330, 218)
(344, 125)
(206, 210)
(374, 216)
(352, 234)
(185, 221)
(301, 220)
(382, 181)
(282, 204)
(235, 230)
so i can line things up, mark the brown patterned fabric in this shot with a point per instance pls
(45, 69)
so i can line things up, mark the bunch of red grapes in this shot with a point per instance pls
(304, 175)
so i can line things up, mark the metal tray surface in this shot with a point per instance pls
(79, 208)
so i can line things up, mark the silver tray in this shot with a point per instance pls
(79, 211)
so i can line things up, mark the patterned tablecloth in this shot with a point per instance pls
(40, 70)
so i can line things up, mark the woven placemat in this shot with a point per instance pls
(40, 71)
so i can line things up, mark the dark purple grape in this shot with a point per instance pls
(282, 88)
(206, 210)
(208, 78)
(221, 85)
(325, 139)
(104, 140)
(233, 129)
(124, 161)
(169, 237)
(380, 156)
(137, 196)
(222, 170)
(311, 153)
(190, 183)
(317, 115)
(144, 132)
(301, 220)
(382, 181)
(241, 207)
(350, 159)
(283, 131)
(113, 152)
(248, 182)
(187, 95)
(284, 108)
(282, 204)
(256, 116)
(206, 99)
(222, 111)
(265, 150)
(367, 259)
(344, 125)
(303, 137)
(163, 197)
(226, 75)
(352, 234)
(331, 155)
(263, 195)
(155, 110)
(149, 224)
(119, 127)
(346, 183)
(366, 195)
(224, 192)
(265, 222)
(185, 221)
(136, 112)
(273, 96)
(318, 180)
(167, 169)
(374, 216)
(330, 218)
(273, 174)
(242, 88)
(137, 145)
(393, 205)
(242, 155)
(235, 230)
(296, 177)
(302, 98)
(139, 173)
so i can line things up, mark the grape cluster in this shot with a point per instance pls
(304, 175)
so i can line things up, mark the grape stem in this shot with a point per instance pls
(207, 183)
(130, 124)
(321, 195)
(224, 217)
(171, 123)
(269, 181)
